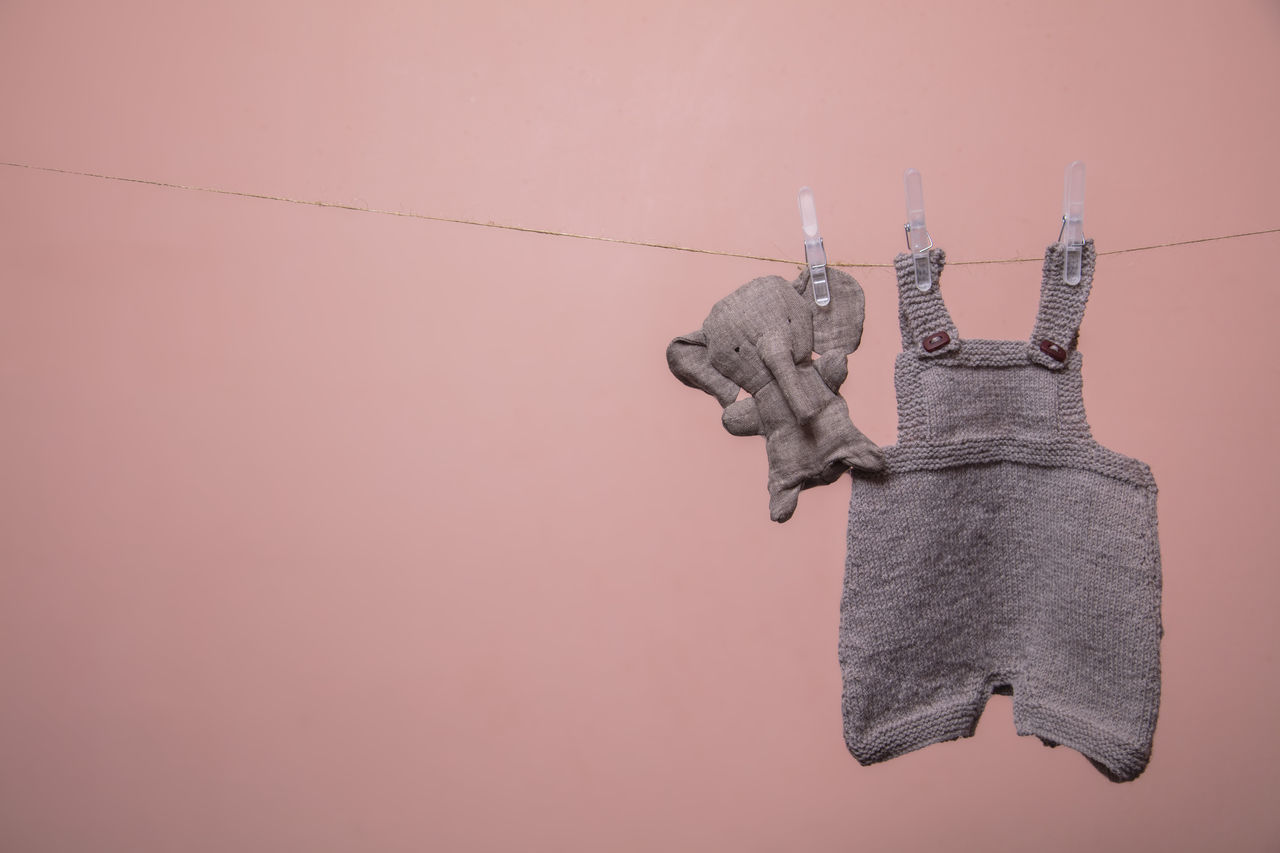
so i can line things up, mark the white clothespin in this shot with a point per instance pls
(918, 239)
(1072, 232)
(814, 254)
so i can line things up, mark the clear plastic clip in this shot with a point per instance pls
(918, 239)
(814, 254)
(1072, 232)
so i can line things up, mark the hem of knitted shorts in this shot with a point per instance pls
(951, 722)
(1118, 760)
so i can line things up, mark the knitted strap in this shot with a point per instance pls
(927, 329)
(1061, 308)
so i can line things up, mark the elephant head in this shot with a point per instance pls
(765, 331)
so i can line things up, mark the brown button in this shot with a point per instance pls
(936, 341)
(1054, 351)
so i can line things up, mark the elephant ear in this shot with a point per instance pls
(690, 361)
(837, 326)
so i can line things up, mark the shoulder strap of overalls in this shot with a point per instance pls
(1061, 308)
(927, 329)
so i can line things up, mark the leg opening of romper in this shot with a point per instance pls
(943, 722)
(1110, 755)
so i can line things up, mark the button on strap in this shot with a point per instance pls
(938, 340)
(1057, 352)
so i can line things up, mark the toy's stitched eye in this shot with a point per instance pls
(737, 349)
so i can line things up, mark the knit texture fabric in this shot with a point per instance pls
(761, 338)
(1002, 549)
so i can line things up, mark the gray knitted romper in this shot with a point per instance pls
(1002, 550)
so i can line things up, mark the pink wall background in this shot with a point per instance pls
(324, 530)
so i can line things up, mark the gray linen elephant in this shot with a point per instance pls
(761, 338)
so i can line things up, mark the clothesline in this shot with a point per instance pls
(599, 238)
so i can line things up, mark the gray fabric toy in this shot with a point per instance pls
(761, 338)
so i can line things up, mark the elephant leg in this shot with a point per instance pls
(782, 503)
(742, 418)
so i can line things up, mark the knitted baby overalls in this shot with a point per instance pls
(1003, 549)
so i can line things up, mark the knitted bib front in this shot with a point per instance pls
(1002, 549)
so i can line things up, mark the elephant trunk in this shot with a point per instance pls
(805, 404)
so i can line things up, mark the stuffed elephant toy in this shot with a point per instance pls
(761, 338)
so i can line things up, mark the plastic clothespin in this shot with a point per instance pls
(814, 254)
(918, 239)
(1072, 232)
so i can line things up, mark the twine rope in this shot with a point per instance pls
(672, 247)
